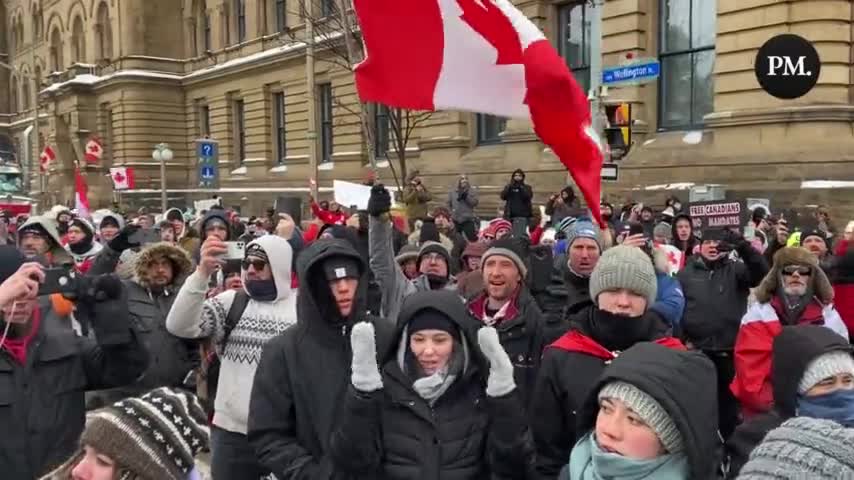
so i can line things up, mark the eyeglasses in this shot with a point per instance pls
(258, 264)
(792, 269)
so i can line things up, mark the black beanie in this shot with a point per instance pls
(109, 221)
(434, 247)
(814, 233)
(432, 319)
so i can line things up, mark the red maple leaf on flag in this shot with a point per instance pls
(119, 178)
(485, 18)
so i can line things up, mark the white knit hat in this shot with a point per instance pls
(825, 366)
(649, 410)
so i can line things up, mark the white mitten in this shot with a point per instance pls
(500, 381)
(365, 375)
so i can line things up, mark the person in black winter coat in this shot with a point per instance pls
(160, 271)
(438, 409)
(517, 196)
(716, 288)
(303, 372)
(683, 236)
(507, 305)
(809, 361)
(46, 367)
(652, 415)
(623, 287)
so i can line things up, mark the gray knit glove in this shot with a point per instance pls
(500, 381)
(365, 375)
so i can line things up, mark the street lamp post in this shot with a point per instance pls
(162, 153)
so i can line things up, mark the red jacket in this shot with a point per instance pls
(843, 299)
(575, 341)
(754, 345)
(325, 216)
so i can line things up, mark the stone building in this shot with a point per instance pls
(140, 72)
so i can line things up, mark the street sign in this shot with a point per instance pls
(207, 152)
(610, 172)
(641, 71)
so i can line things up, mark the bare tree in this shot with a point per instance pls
(337, 42)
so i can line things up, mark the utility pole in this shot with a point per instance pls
(311, 133)
(36, 135)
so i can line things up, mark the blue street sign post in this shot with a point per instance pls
(207, 152)
(638, 72)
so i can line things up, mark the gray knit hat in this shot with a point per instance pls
(803, 447)
(624, 267)
(663, 230)
(583, 229)
(825, 366)
(506, 247)
(650, 411)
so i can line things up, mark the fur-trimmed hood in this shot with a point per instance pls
(180, 262)
(784, 257)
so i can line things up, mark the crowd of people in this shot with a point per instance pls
(415, 341)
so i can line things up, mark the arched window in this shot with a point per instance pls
(78, 41)
(20, 30)
(13, 39)
(201, 28)
(37, 23)
(56, 61)
(104, 32)
(13, 100)
(25, 95)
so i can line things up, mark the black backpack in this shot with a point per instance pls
(206, 386)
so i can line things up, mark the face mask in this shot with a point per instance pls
(837, 406)
(262, 290)
(619, 332)
(436, 282)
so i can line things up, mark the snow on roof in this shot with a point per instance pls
(89, 79)
(820, 184)
(670, 186)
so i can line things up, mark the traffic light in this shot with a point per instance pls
(619, 129)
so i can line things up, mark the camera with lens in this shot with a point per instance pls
(79, 288)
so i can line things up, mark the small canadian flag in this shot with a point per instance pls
(47, 156)
(94, 150)
(122, 178)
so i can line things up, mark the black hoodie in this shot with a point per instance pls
(683, 383)
(394, 434)
(687, 248)
(794, 348)
(305, 372)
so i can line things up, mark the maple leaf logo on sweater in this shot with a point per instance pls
(485, 18)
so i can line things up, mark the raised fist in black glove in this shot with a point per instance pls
(380, 201)
(123, 240)
(732, 240)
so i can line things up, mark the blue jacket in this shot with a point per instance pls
(670, 301)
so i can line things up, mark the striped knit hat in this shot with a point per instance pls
(157, 435)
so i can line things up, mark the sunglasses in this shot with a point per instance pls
(258, 264)
(792, 269)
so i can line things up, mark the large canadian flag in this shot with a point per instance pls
(482, 56)
(81, 197)
(123, 178)
(94, 150)
(47, 156)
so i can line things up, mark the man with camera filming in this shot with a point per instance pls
(716, 288)
(240, 323)
(46, 367)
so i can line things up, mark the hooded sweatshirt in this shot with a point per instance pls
(517, 196)
(57, 255)
(192, 316)
(794, 349)
(115, 217)
(683, 383)
(187, 239)
(304, 372)
(84, 251)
